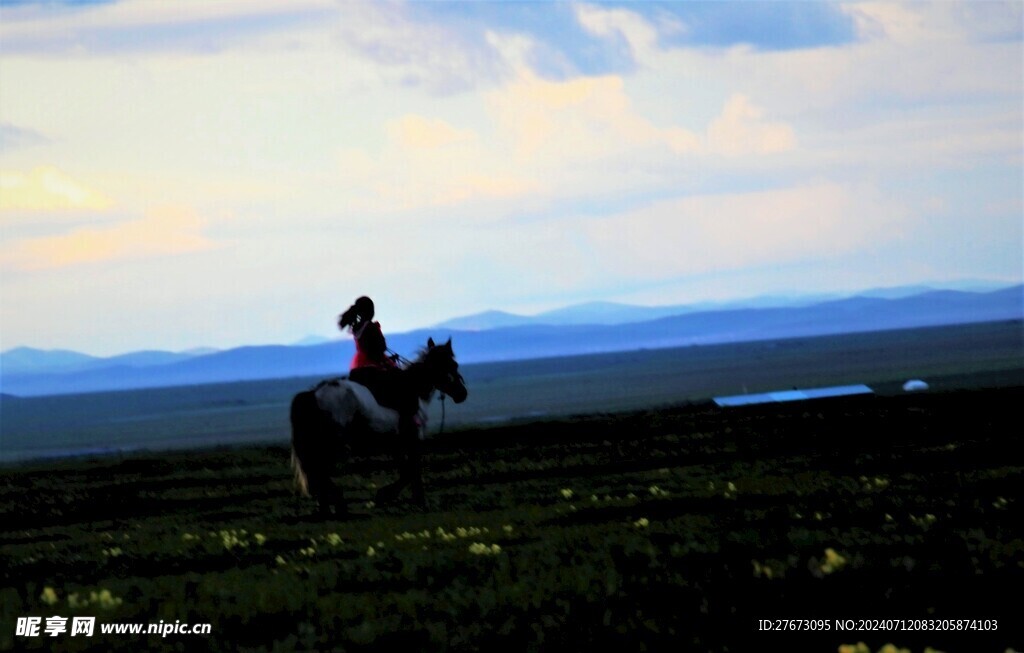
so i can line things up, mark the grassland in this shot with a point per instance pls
(679, 526)
(671, 529)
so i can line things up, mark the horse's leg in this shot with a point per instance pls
(389, 493)
(335, 496)
(407, 458)
(328, 496)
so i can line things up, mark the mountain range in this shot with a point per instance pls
(615, 313)
(494, 336)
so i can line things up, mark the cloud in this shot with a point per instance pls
(639, 35)
(476, 187)
(713, 233)
(426, 163)
(47, 188)
(150, 25)
(541, 141)
(162, 232)
(587, 137)
(13, 137)
(922, 22)
(416, 132)
(413, 49)
(740, 130)
(396, 182)
(577, 119)
(379, 143)
(675, 241)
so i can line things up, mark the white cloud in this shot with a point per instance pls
(576, 119)
(639, 34)
(413, 51)
(740, 130)
(544, 141)
(715, 233)
(923, 22)
(49, 28)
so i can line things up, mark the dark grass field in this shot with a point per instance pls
(677, 529)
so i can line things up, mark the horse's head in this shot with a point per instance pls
(439, 360)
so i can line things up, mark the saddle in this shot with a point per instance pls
(388, 387)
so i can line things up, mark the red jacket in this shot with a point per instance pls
(371, 347)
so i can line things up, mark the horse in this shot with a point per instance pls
(335, 414)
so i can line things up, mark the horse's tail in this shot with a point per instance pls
(308, 442)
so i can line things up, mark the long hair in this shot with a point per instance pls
(359, 312)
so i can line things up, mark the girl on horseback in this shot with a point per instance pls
(371, 347)
(372, 367)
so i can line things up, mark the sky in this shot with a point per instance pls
(226, 173)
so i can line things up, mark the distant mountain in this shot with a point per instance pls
(146, 358)
(24, 360)
(484, 321)
(606, 313)
(849, 315)
(200, 351)
(609, 313)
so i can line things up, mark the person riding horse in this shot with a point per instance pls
(371, 347)
(372, 367)
(334, 415)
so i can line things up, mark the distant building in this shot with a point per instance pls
(795, 394)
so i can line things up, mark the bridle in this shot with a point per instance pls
(453, 377)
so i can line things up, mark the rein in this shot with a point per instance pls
(441, 431)
(405, 364)
(394, 355)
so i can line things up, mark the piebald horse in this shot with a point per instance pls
(327, 419)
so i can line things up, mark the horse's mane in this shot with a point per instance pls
(424, 353)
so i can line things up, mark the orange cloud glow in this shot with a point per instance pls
(46, 188)
(162, 232)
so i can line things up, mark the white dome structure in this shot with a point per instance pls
(915, 385)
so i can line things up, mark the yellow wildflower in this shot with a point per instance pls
(833, 561)
(479, 548)
(105, 599)
(49, 596)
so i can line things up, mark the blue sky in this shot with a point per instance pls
(175, 175)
